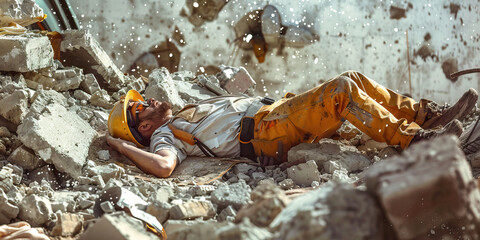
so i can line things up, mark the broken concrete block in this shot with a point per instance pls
(14, 106)
(160, 210)
(268, 201)
(236, 80)
(328, 149)
(23, 12)
(8, 210)
(67, 225)
(236, 195)
(58, 136)
(108, 172)
(192, 209)
(25, 158)
(89, 84)
(163, 87)
(24, 53)
(80, 49)
(271, 25)
(243, 230)
(304, 173)
(117, 226)
(428, 189)
(35, 210)
(320, 213)
(198, 229)
(227, 214)
(57, 79)
(81, 95)
(101, 99)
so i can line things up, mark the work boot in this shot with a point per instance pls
(454, 127)
(438, 116)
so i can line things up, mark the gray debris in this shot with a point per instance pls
(320, 214)
(236, 195)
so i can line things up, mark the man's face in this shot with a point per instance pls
(155, 111)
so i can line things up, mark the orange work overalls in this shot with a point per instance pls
(379, 112)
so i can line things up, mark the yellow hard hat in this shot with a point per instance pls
(121, 121)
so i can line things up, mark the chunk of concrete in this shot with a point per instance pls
(348, 157)
(322, 214)
(24, 12)
(304, 173)
(8, 210)
(101, 99)
(236, 195)
(35, 210)
(163, 87)
(226, 214)
(25, 158)
(89, 84)
(268, 201)
(198, 229)
(14, 106)
(192, 209)
(160, 210)
(428, 189)
(24, 53)
(79, 48)
(67, 225)
(117, 226)
(58, 136)
(108, 171)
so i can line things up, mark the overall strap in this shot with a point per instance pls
(192, 140)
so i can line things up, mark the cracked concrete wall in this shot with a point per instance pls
(368, 36)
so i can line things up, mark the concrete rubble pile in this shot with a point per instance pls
(55, 164)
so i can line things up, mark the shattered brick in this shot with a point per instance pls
(24, 53)
(429, 188)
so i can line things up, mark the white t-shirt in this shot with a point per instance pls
(219, 130)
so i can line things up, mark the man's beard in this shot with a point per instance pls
(161, 113)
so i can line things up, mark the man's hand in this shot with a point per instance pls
(117, 144)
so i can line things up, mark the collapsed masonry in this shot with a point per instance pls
(55, 165)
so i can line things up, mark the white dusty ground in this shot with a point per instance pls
(357, 35)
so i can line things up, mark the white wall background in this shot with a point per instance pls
(354, 34)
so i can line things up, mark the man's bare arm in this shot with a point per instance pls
(160, 164)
